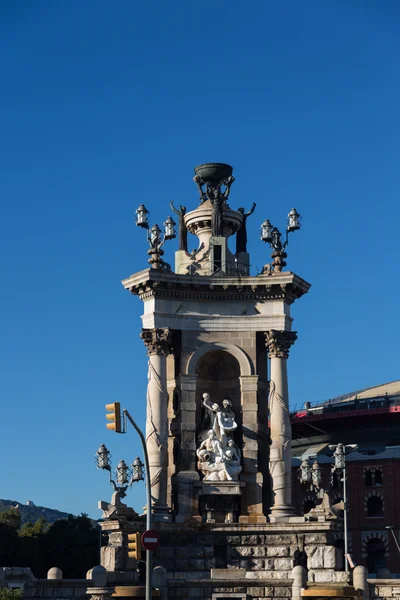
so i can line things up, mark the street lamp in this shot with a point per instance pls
(272, 236)
(339, 465)
(156, 237)
(304, 472)
(125, 476)
(311, 475)
(391, 527)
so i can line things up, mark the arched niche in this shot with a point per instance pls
(245, 365)
(218, 373)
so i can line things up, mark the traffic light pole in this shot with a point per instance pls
(149, 586)
(346, 541)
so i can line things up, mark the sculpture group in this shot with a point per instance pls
(219, 458)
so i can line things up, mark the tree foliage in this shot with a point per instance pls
(71, 544)
(11, 518)
(10, 594)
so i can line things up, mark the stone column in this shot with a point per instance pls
(158, 342)
(251, 473)
(278, 344)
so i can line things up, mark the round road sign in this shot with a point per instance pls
(150, 539)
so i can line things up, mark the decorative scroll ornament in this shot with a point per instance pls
(279, 342)
(219, 458)
(158, 340)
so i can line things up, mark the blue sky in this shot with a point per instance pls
(107, 105)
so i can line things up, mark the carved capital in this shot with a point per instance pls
(158, 340)
(279, 342)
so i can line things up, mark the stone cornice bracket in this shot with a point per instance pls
(279, 342)
(158, 340)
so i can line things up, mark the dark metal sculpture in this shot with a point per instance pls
(210, 178)
(182, 226)
(217, 217)
(241, 236)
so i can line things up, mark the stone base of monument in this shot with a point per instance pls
(130, 591)
(330, 591)
(250, 560)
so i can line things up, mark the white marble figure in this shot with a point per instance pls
(210, 449)
(224, 417)
(219, 457)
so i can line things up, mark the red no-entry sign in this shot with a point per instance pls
(150, 539)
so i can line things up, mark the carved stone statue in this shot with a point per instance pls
(181, 226)
(210, 449)
(218, 456)
(241, 236)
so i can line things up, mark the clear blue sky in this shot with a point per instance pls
(107, 105)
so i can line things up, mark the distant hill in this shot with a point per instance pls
(31, 513)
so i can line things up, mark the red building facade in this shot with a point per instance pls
(370, 419)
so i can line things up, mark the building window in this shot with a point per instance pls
(368, 478)
(217, 257)
(374, 506)
(375, 554)
(373, 476)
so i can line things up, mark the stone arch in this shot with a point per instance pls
(245, 364)
(373, 494)
(370, 535)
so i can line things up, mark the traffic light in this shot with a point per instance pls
(114, 416)
(134, 545)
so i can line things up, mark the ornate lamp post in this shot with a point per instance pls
(272, 236)
(391, 527)
(125, 475)
(310, 475)
(156, 237)
(339, 466)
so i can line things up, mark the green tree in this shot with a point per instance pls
(34, 529)
(72, 545)
(8, 546)
(11, 518)
(32, 544)
(10, 594)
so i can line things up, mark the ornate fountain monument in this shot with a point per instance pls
(218, 429)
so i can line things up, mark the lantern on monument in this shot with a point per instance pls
(103, 458)
(266, 230)
(305, 472)
(316, 475)
(293, 220)
(155, 235)
(141, 217)
(122, 472)
(338, 456)
(137, 470)
(169, 229)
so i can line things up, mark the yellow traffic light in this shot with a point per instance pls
(134, 545)
(114, 416)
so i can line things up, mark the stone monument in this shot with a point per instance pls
(218, 429)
